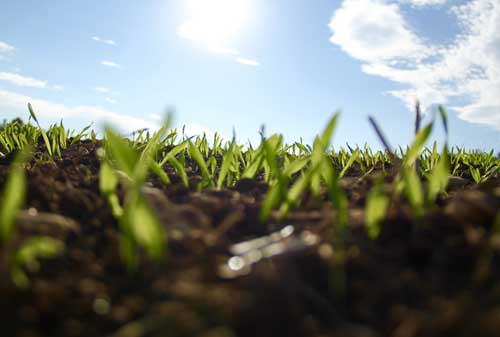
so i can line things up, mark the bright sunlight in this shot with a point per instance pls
(215, 23)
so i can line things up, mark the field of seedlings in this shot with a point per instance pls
(159, 234)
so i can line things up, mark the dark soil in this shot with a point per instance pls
(434, 276)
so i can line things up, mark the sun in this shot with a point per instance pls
(215, 23)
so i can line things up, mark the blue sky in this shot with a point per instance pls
(288, 64)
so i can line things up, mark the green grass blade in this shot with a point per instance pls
(413, 189)
(180, 170)
(13, 196)
(44, 134)
(377, 204)
(227, 161)
(196, 155)
(157, 169)
(147, 229)
(28, 254)
(124, 155)
(439, 176)
(328, 132)
(419, 141)
(350, 162)
(271, 200)
(444, 119)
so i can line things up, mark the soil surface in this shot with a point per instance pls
(433, 276)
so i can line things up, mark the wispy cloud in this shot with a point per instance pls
(101, 40)
(27, 82)
(106, 91)
(197, 130)
(110, 100)
(5, 49)
(463, 75)
(102, 90)
(22, 81)
(55, 111)
(110, 64)
(248, 62)
(424, 3)
(156, 117)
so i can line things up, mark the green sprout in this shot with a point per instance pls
(28, 254)
(377, 204)
(48, 145)
(13, 196)
(34, 248)
(138, 223)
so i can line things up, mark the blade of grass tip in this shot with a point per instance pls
(180, 170)
(174, 152)
(327, 134)
(439, 176)
(125, 156)
(156, 168)
(295, 166)
(44, 134)
(350, 162)
(226, 164)
(418, 117)
(147, 155)
(196, 155)
(419, 141)
(381, 136)
(444, 119)
(417, 129)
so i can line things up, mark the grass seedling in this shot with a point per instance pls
(377, 204)
(13, 197)
(28, 254)
(34, 248)
(197, 156)
(138, 223)
(227, 161)
(48, 145)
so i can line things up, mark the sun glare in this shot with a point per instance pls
(215, 23)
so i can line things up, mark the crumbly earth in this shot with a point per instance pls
(434, 276)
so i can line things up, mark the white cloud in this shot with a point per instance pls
(102, 90)
(248, 62)
(381, 35)
(424, 3)
(22, 81)
(155, 117)
(99, 39)
(110, 64)
(6, 48)
(197, 130)
(110, 100)
(463, 75)
(56, 111)
(106, 91)
(27, 82)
